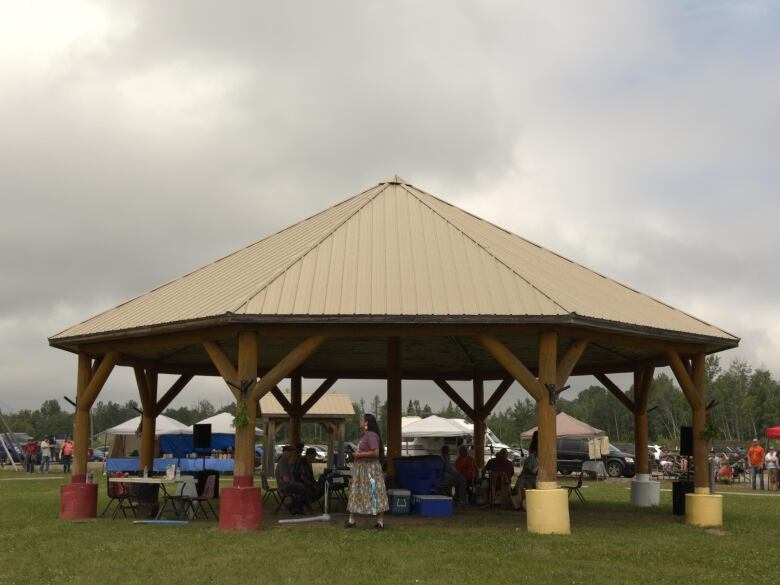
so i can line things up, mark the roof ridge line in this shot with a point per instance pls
(483, 247)
(220, 259)
(298, 258)
(570, 261)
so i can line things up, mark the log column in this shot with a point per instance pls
(241, 506)
(296, 390)
(146, 380)
(393, 403)
(548, 506)
(79, 499)
(702, 508)
(479, 422)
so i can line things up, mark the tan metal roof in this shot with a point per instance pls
(329, 406)
(393, 250)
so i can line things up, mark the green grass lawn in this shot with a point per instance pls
(610, 543)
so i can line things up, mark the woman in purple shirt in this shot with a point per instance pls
(367, 493)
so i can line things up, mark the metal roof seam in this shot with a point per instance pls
(501, 261)
(318, 242)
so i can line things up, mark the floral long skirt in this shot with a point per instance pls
(367, 494)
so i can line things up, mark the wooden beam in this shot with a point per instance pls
(148, 420)
(640, 423)
(514, 366)
(616, 392)
(172, 393)
(701, 479)
(569, 360)
(687, 385)
(223, 364)
(498, 394)
(317, 394)
(455, 397)
(647, 381)
(286, 365)
(142, 383)
(98, 379)
(282, 399)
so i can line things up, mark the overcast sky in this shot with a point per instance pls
(141, 140)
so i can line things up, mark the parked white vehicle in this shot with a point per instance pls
(427, 436)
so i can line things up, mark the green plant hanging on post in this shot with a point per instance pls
(241, 420)
(710, 432)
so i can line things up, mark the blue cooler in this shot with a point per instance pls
(440, 506)
(400, 501)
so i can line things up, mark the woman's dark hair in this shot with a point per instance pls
(534, 447)
(373, 426)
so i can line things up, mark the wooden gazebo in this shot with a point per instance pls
(394, 284)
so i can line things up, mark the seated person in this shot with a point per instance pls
(304, 474)
(451, 478)
(501, 463)
(725, 473)
(285, 480)
(501, 470)
(466, 464)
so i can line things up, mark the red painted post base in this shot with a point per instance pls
(78, 501)
(240, 509)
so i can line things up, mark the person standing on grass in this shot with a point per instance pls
(367, 494)
(30, 451)
(66, 455)
(45, 454)
(771, 463)
(756, 461)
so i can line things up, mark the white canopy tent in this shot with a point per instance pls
(434, 426)
(165, 426)
(221, 424)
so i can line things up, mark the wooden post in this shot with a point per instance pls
(147, 389)
(479, 422)
(270, 447)
(296, 390)
(393, 402)
(342, 459)
(640, 425)
(245, 437)
(331, 432)
(548, 448)
(701, 477)
(81, 421)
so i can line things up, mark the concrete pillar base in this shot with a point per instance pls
(548, 511)
(78, 501)
(240, 509)
(703, 509)
(644, 492)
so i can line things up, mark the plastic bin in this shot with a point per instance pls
(400, 501)
(438, 506)
(419, 475)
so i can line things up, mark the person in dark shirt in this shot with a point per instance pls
(452, 478)
(501, 463)
(304, 473)
(285, 480)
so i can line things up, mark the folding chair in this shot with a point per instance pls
(499, 484)
(269, 491)
(203, 500)
(118, 493)
(575, 489)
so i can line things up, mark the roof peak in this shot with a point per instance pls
(395, 180)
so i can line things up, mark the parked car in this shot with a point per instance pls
(572, 453)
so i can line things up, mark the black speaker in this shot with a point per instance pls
(201, 436)
(686, 441)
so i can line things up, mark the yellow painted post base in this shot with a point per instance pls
(548, 511)
(703, 510)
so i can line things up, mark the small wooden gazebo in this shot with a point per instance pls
(394, 284)
(330, 410)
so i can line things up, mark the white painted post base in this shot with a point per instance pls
(644, 492)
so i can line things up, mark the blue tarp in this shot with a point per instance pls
(181, 445)
(130, 464)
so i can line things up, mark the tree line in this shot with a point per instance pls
(747, 401)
